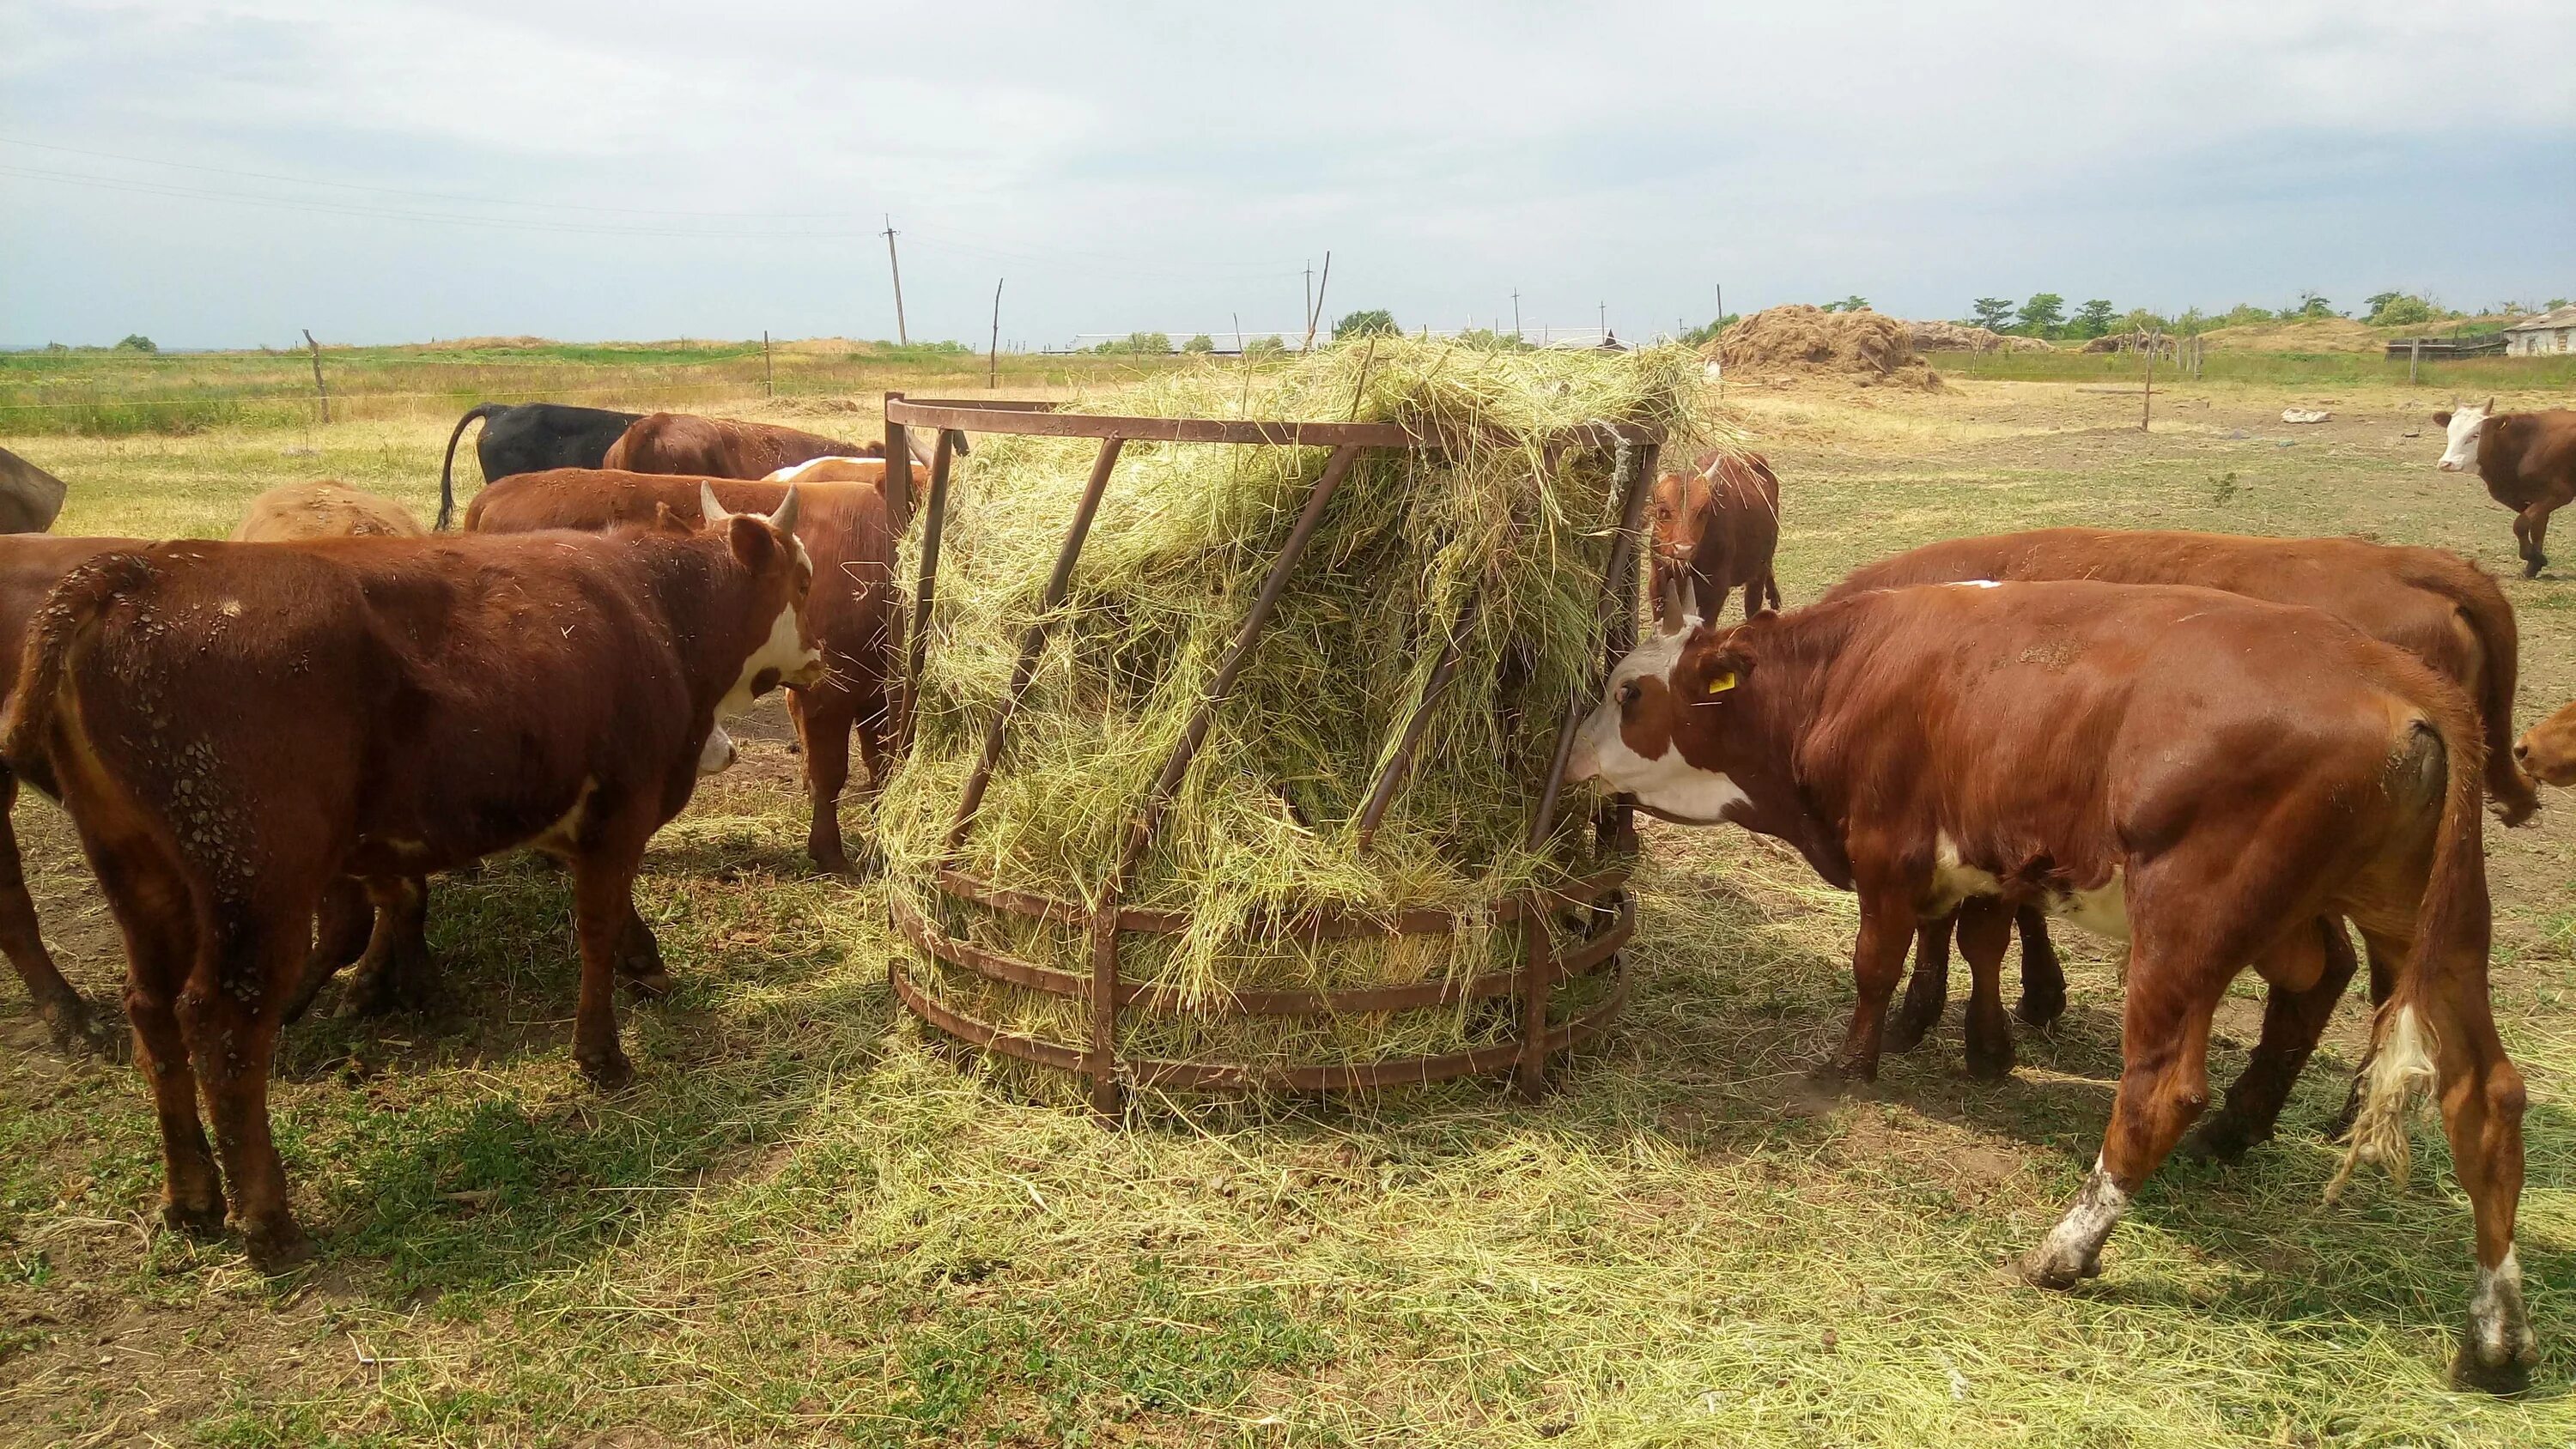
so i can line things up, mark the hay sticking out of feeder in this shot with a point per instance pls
(1264, 824)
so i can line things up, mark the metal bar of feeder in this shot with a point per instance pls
(1538, 961)
(1382, 793)
(898, 470)
(1034, 642)
(1632, 505)
(1617, 826)
(933, 525)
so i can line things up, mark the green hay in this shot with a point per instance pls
(1264, 823)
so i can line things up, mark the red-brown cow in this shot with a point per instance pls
(2528, 461)
(2201, 773)
(850, 613)
(720, 447)
(2548, 749)
(1716, 529)
(2433, 604)
(234, 726)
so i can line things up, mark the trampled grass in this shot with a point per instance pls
(806, 1224)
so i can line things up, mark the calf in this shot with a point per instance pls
(2432, 604)
(234, 726)
(2528, 461)
(720, 447)
(2202, 774)
(851, 615)
(323, 508)
(2548, 749)
(529, 438)
(1716, 529)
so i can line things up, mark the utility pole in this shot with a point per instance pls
(902, 336)
(1315, 314)
(1310, 297)
(321, 394)
(1516, 314)
(993, 368)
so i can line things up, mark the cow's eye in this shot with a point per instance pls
(1628, 693)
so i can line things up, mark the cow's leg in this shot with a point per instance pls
(2043, 977)
(1764, 593)
(2293, 1019)
(639, 957)
(158, 921)
(395, 973)
(342, 925)
(1985, 933)
(2533, 528)
(1886, 929)
(75, 1026)
(603, 891)
(824, 718)
(2482, 1107)
(2164, 1084)
(2383, 980)
(1927, 992)
(249, 958)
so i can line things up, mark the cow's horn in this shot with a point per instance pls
(710, 512)
(784, 520)
(1673, 622)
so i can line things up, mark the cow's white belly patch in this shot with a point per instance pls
(2102, 910)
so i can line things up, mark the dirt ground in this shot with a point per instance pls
(805, 1226)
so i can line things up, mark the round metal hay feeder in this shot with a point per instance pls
(1597, 910)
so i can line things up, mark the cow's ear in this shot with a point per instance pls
(754, 546)
(1711, 667)
(2442, 419)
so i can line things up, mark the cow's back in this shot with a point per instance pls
(532, 437)
(323, 508)
(683, 443)
(30, 565)
(2527, 458)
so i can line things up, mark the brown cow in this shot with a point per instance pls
(851, 614)
(323, 508)
(2528, 461)
(2201, 773)
(1716, 527)
(2548, 749)
(720, 447)
(831, 470)
(233, 726)
(2433, 604)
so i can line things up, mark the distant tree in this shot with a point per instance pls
(2138, 319)
(2557, 302)
(1852, 303)
(2190, 320)
(1265, 345)
(1374, 322)
(1992, 313)
(1488, 340)
(2043, 314)
(2399, 309)
(2092, 319)
(2378, 302)
(136, 342)
(2246, 314)
(56, 347)
(1706, 332)
(1155, 344)
(1201, 343)
(2310, 306)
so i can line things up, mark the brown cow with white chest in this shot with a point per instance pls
(2201, 773)
(850, 614)
(2528, 461)
(2433, 604)
(697, 447)
(235, 726)
(1716, 528)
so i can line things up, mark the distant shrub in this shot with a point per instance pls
(1373, 322)
(2401, 309)
(1265, 345)
(1155, 344)
(1200, 344)
(136, 342)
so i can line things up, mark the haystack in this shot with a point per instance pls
(1500, 538)
(1960, 337)
(1799, 341)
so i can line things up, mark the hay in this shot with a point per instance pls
(1960, 337)
(1802, 341)
(1263, 823)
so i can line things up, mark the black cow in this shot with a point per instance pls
(530, 438)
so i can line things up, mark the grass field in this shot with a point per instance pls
(803, 1225)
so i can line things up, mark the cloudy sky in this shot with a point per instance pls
(224, 174)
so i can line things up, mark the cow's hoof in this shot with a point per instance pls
(80, 1030)
(2504, 1376)
(2516, 811)
(1992, 1064)
(1906, 1030)
(2531, 567)
(828, 857)
(1844, 1074)
(2055, 1271)
(2223, 1139)
(2040, 1008)
(197, 1220)
(652, 985)
(610, 1073)
(277, 1247)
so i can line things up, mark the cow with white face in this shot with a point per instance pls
(2527, 460)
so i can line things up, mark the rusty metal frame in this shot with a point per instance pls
(1608, 917)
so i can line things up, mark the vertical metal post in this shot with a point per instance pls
(1618, 824)
(898, 471)
(1623, 553)
(1538, 984)
(1033, 643)
(917, 643)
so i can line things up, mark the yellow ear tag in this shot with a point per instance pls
(1721, 683)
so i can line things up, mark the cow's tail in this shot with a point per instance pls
(2490, 618)
(2451, 939)
(447, 465)
(69, 612)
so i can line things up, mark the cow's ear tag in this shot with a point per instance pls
(1721, 682)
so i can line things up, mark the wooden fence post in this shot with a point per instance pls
(768, 372)
(2147, 397)
(2414, 359)
(321, 394)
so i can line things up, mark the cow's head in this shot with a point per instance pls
(782, 575)
(2461, 428)
(2548, 749)
(1679, 515)
(1661, 733)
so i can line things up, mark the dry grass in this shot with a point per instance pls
(804, 1225)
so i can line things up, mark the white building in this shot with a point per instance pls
(2550, 332)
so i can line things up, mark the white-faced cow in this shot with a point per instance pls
(2527, 460)
(2203, 774)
